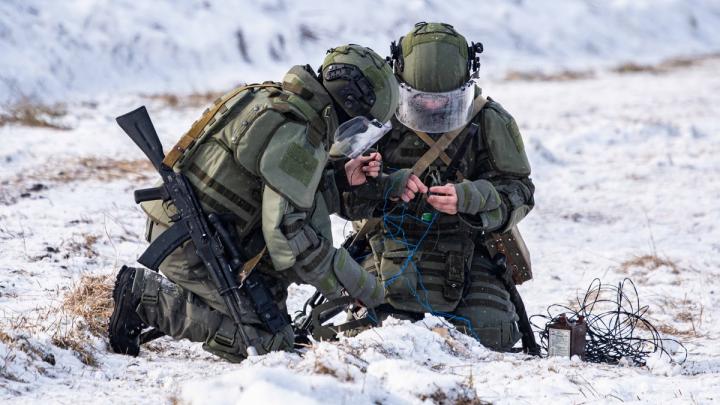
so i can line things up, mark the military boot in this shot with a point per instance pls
(125, 324)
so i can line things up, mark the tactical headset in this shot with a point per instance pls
(357, 95)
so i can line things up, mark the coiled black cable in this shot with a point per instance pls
(616, 325)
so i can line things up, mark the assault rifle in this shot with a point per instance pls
(212, 241)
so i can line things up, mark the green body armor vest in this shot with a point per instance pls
(223, 159)
(449, 243)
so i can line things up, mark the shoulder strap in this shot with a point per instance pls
(424, 162)
(439, 147)
(443, 156)
(192, 135)
(430, 142)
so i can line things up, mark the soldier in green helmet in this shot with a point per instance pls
(260, 161)
(438, 252)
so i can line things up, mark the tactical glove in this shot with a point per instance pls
(395, 183)
(476, 196)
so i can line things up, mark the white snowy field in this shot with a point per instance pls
(625, 167)
(55, 50)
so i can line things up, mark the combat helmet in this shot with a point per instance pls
(360, 81)
(363, 85)
(435, 67)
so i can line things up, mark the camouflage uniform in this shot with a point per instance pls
(261, 164)
(449, 272)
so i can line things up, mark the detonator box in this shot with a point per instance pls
(566, 337)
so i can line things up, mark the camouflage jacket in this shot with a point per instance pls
(262, 163)
(494, 162)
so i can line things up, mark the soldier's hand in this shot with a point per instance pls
(357, 170)
(444, 199)
(414, 186)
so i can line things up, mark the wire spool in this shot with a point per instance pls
(616, 325)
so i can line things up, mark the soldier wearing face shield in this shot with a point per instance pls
(261, 165)
(479, 190)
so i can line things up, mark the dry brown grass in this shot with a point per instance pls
(200, 99)
(93, 168)
(321, 368)
(688, 317)
(668, 65)
(650, 262)
(4, 337)
(83, 314)
(33, 114)
(25, 184)
(91, 299)
(19, 342)
(664, 66)
(81, 245)
(63, 327)
(465, 394)
(79, 344)
(537, 76)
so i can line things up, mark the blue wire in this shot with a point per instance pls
(398, 236)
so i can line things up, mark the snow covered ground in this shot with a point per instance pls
(625, 166)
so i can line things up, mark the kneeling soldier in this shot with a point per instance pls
(439, 256)
(260, 164)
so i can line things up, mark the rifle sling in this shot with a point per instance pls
(250, 265)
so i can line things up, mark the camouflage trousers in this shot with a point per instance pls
(486, 311)
(186, 305)
(436, 282)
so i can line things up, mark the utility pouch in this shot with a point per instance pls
(377, 248)
(512, 245)
(454, 280)
(398, 275)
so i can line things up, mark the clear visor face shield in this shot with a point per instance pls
(436, 112)
(357, 135)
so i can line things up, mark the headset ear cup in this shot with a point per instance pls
(396, 59)
(400, 59)
(473, 59)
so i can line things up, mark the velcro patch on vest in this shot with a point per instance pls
(299, 164)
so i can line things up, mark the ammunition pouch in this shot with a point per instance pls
(433, 280)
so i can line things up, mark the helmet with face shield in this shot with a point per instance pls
(362, 84)
(436, 70)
